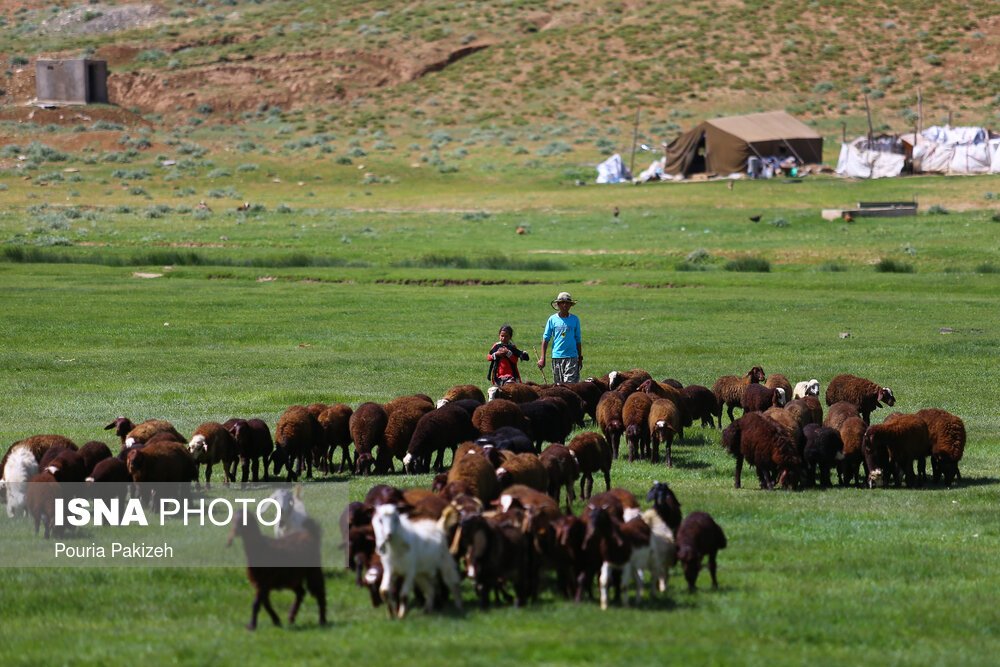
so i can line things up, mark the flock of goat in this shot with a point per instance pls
(497, 508)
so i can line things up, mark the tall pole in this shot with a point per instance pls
(635, 138)
(871, 131)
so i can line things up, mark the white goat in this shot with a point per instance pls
(806, 388)
(21, 466)
(662, 549)
(293, 511)
(417, 552)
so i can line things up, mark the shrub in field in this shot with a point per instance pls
(499, 262)
(748, 265)
(937, 209)
(887, 265)
(987, 268)
(832, 267)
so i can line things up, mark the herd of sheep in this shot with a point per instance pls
(496, 509)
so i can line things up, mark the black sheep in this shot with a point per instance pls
(823, 450)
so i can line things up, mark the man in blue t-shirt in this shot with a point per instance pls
(563, 330)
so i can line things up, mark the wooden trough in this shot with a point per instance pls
(872, 209)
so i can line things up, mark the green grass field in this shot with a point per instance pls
(335, 301)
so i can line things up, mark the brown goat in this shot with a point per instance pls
(609, 418)
(635, 416)
(867, 395)
(699, 536)
(947, 434)
(593, 454)
(664, 424)
(729, 389)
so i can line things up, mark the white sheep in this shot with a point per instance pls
(662, 549)
(806, 388)
(417, 552)
(293, 511)
(21, 466)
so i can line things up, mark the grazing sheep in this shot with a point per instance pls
(806, 388)
(635, 376)
(702, 404)
(516, 392)
(497, 413)
(38, 445)
(132, 434)
(211, 444)
(409, 401)
(635, 416)
(947, 434)
(562, 469)
(161, 463)
(93, 453)
(525, 469)
(867, 395)
(474, 473)
(729, 389)
(336, 424)
(699, 536)
(460, 392)
(801, 411)
(758, 398)
(40, 500)
(417, 552)
(438, 430)
(789, 425)
(111, 470)
(852, 434)
(507, 438)
(892, 447)
(291, 562)
(296, 435)
(590, 393)
(609, 418)
(254, 446)
(766, 446)
(69, 467)
(398, 433)
(593, 454)
(823, 450)
(52, 453)
(20, 467)
(664, 422)
(573, 406)
(549, 420)
(367, 426)
(840, 412)
(663, 390)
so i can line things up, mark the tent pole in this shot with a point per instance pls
(920, 114)
(871, 131)
(635, 138)
(789, 146)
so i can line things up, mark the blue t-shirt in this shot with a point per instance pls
(564, 334)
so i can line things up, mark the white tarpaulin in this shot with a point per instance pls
(857, 162)
(954, 150)
(612, 170)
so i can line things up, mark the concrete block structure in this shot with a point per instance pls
(77, 81)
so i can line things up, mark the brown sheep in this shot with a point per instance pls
(576, 406)
(789, 425)
(635, 376)
(867, 395)
(367, 425)
(68, 466)
(801, 411)
(777, 381)
(421, 401)
(38, 444)
(336, 424)
(892, 447)
(635, 417)
(593, 454)
(497, 413)
(40, 499)
(162, 462)
(562, 469)
(766, 446)
(947, 434)
(609, 418)
(758, 398)
(702, 404)
(211, 444)
(93, 453)
(296, 436)
(729, 389)
(840, 412)
(253, 446)
(852, 434)
(699, 536)
(438, 430)
(475, 472)
(131, 434)
(664, 422)
(516, 392)
(399, 430)
(590, 393)
(524, 469)
(460, 392)
(662, 390)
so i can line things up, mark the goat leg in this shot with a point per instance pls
(300, 593)
(265, 599)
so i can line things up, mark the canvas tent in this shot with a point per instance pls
(954, 150)
(723, 145)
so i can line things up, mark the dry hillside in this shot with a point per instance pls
(521, 62)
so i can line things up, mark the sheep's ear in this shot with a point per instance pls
(111, 425)
(449, 519)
